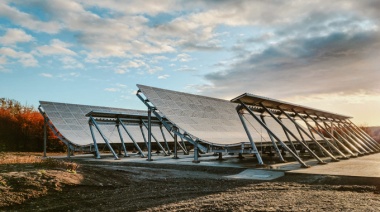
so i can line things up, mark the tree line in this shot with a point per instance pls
(22, 128)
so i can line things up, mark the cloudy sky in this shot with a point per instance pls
(323, 54)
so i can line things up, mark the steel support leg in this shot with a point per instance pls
(184, 146)
(253, 146)
(348, 138)
(104, 138)
(97, 154)
(131, 137)
(368, 147)
(338, 135)
(364, 134)
(158, 143)
(299, 128)
(122, 141)
(290, 141)
(295, 156)
(360, 136)
(175, 144)
(320, 134)
(68, 150)
(143, 135)
(274, 143)
(166, 142)
(332, 137)
(196, 160)
(45, 135)
(291, 133)
(149, 134)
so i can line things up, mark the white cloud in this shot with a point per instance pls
(26, 20)
(183, 57)
(121, 71)
(71, 63)
(156, 59)
(47, 75)
(68, 76)
(121, 85)
(152, 70)
(25, 59)
(165, 76)
(186, 68)
(56, 47)
(112, 89)
(150, 7)
(13, 36)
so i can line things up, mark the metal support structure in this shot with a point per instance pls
(360, 136)
(149, 134)
(295, 156)
(364, 134)
(310, 129)
(104, 138)
(97, 154)
(122, 141)
(299, 128)
(167, 126)
(143, 135)
(353, 136)
(154, 137)
(196, 160)
(274, 143)
(184, 146)
(290, 140)
(332, 137)
(45, 134)
(291, 133)
(253, 146)
(321, 135)
(164, 137)
(175, 143)
(131, 137)
(172, 135)
(68, 150)
(339, 136)
(343, 134)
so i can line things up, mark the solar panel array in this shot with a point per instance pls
(71, 122)
(211, 120)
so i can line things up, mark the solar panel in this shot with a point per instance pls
(211, 120)
(252, 99)
(71, 122)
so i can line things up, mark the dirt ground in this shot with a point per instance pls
(153, 187)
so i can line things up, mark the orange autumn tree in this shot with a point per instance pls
(21, 128)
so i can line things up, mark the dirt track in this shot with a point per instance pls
(163, 188)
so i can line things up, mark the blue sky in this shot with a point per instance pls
(323, 54)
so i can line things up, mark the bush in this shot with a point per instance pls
(21, 128)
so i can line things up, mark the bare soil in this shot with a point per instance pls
(154, 187)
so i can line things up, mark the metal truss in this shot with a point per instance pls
(171, 128)
(338, 138)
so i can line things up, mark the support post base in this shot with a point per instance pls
(261, 165)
